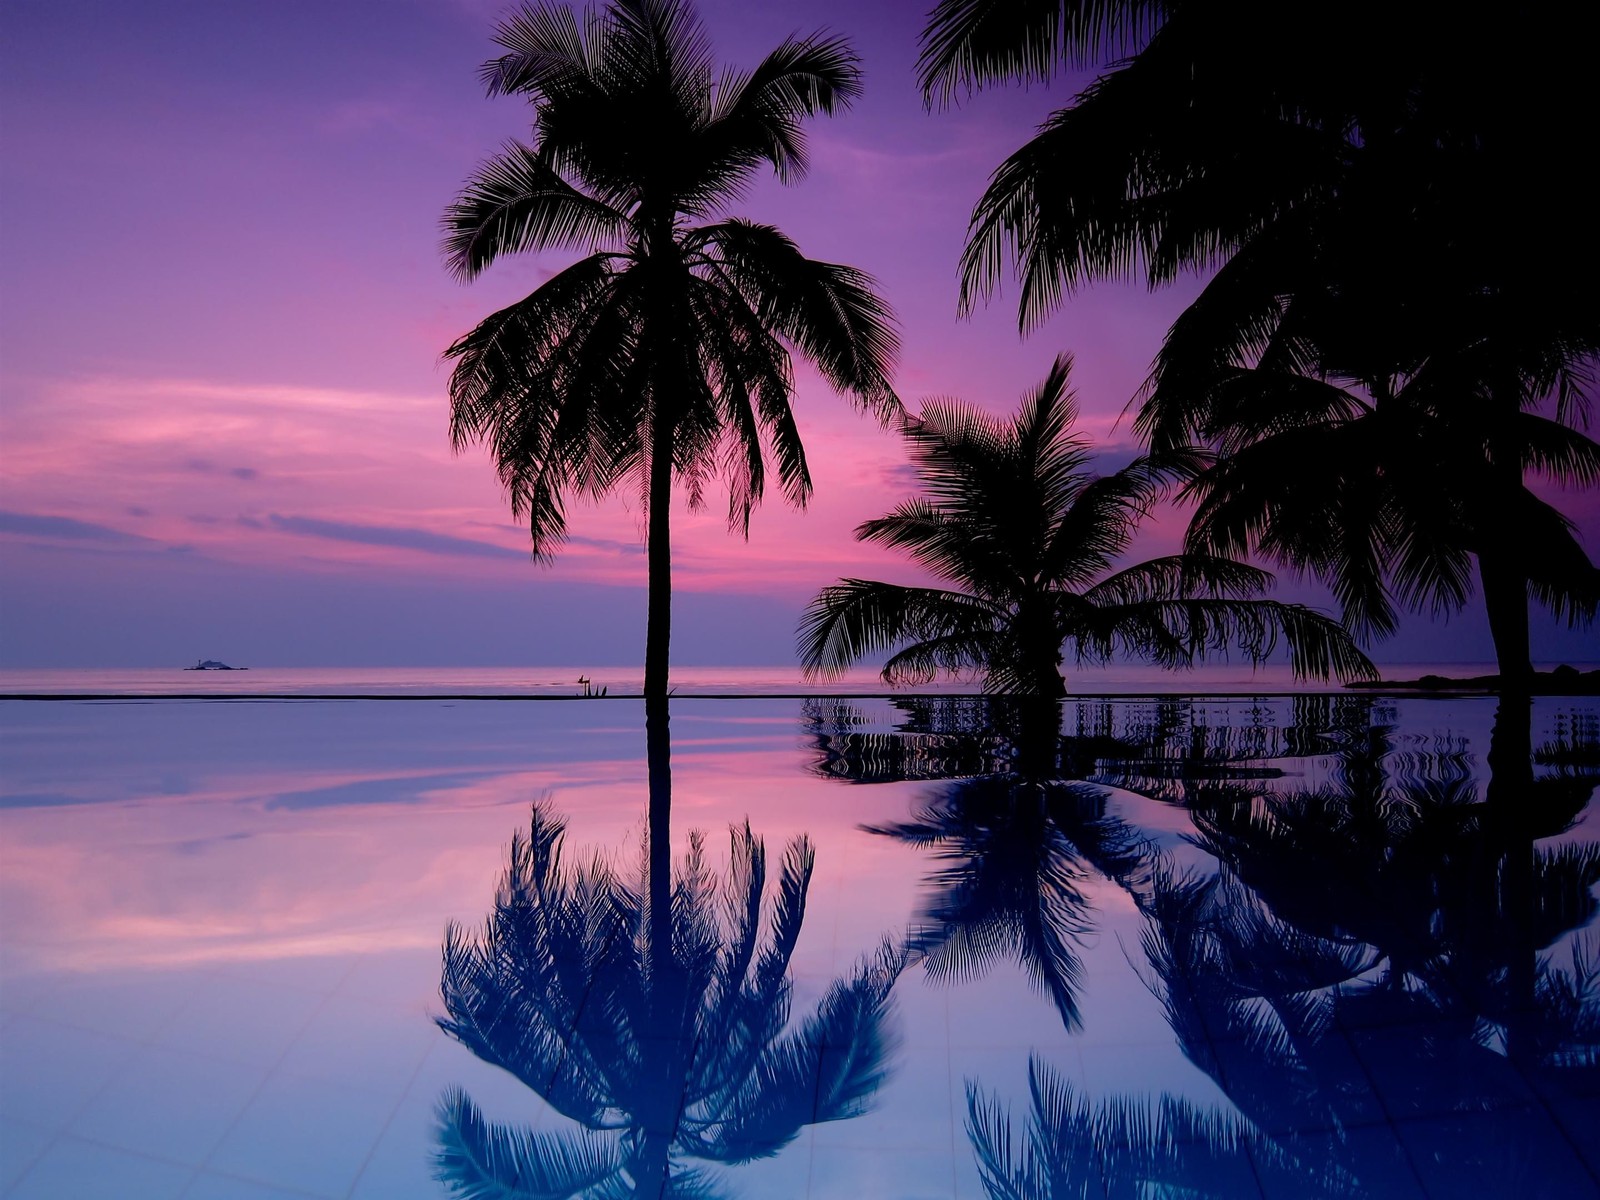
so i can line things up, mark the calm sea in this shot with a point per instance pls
(1218, 679)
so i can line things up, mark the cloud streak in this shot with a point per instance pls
(65, 529)
(398, 537)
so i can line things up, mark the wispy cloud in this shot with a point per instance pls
(399, 537)
(65, 528)
(201, 466)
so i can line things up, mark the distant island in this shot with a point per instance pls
(1563, 681)
(211, 664)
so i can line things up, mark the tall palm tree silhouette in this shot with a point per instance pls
(1030, 539)
(1339, 168)
(1381, 448)
(666, 1037)
(665, 352)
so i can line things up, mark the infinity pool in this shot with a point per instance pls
(1230, 947)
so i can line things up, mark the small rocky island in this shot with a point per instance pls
(211, 664)
(1563, 681)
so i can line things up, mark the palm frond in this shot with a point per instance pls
(517, 202)
(972, 43)
(1179, 576)
(827, 1070)
(547, 52)
(1558, 451)
(1178, 632)
(481, 1160)
(858, 617)
(756, 116)
(831, 313)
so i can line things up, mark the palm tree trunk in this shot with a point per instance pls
(658, 758)
(1505, 597)
(658, 629)
(656, 1106)
(1501, 566)
(1509, 800)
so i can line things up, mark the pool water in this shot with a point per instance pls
(1224, 947)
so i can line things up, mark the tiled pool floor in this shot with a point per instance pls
(1222, 948)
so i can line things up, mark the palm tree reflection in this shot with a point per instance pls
(1024, 837)
(1127, 1147)
(653, 1012)
(1380, 974)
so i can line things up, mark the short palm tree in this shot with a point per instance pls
(1030, 539)
(664, 353)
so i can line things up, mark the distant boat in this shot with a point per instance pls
(211, 664)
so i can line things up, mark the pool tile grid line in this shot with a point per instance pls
(394, 1110)
(151, 1040)
(950, 1095)
(1255, 1166)
(60, 1172)
(1588, 1156)
(206, 1165)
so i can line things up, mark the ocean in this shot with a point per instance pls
(558, 682)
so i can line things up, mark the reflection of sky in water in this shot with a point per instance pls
(221, 931)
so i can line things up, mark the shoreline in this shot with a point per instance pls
(1424, 688)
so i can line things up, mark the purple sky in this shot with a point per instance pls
(222, 309)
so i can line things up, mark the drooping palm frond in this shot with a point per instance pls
(972, 43)
(1134, 178)
(857, 617)
(1178, 632)
(1177, 577)
(517, 201)
(481, 1160)
(828, 311)
(1123, 1145)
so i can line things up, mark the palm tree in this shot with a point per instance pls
(1128, 1146)
(664, 354)
(1381, 448)
(664, 1035)
(1018, 856)
(1030, 538)
(1324, 152)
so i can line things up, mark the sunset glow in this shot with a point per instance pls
(222, 391)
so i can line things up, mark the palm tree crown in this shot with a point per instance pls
(668, 1051)
(1340, 172)
(1030, 537)
(664, 353)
